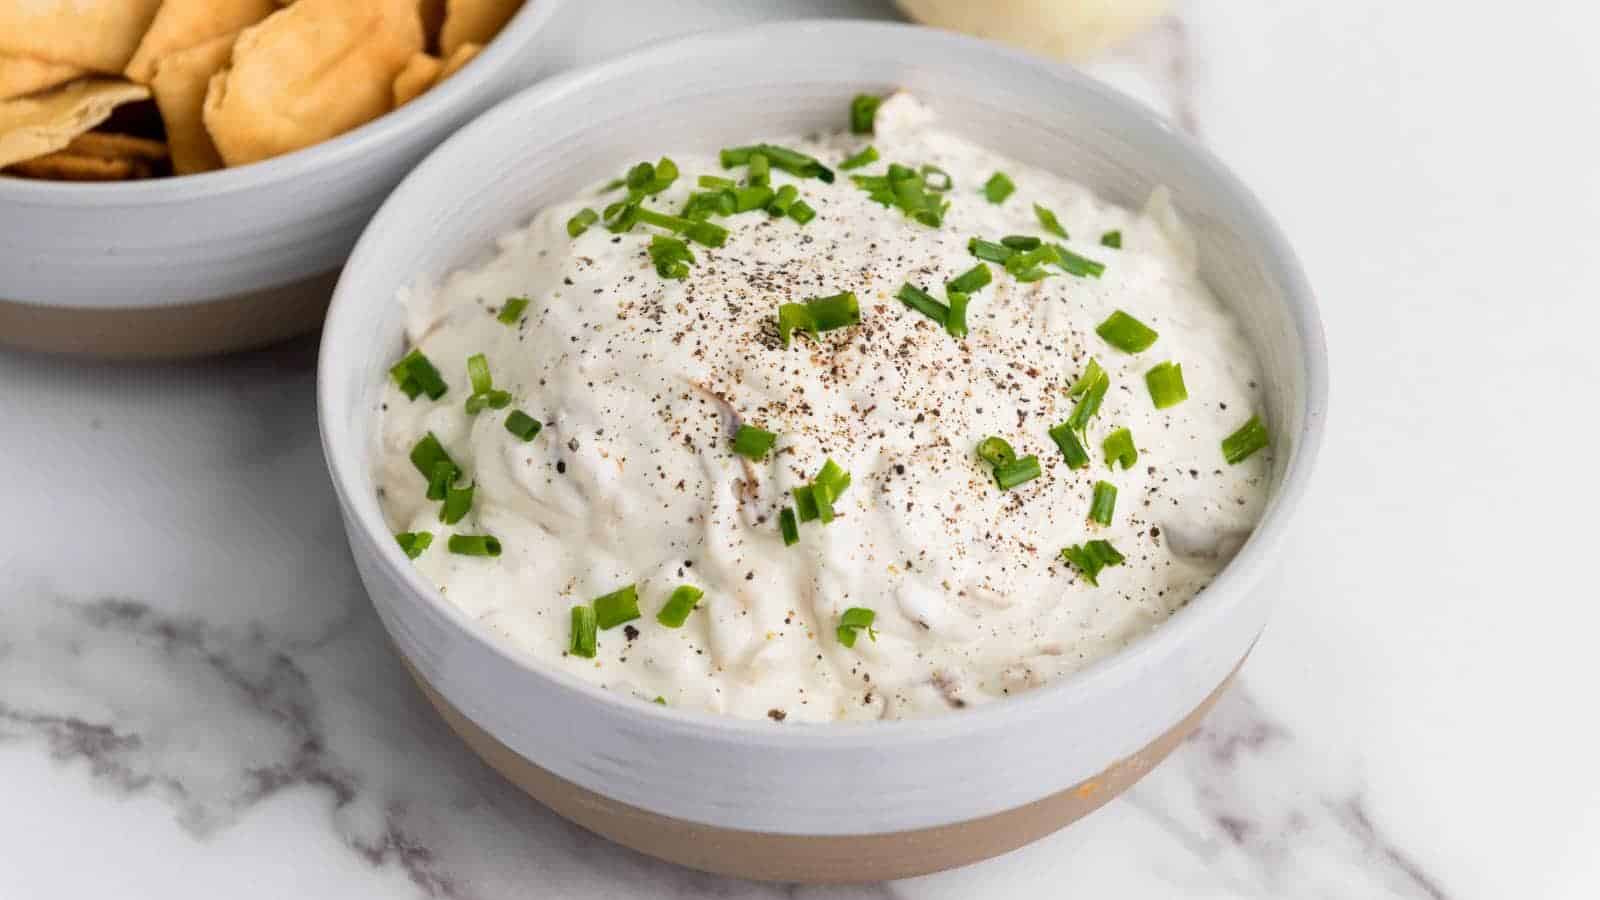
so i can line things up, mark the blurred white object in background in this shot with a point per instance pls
(1067, 29)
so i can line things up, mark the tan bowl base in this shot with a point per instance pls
(240, 322)
(818, 859)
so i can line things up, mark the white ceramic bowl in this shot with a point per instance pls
(233, 258)
(842, 801)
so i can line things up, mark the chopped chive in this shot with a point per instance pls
(863, 109)
(851, 621)
(996, 451)
(488, 400)
(805, 503)
(972, 280)
(621, 216)
(612, 185)
(427, 453)
(1104, 503)
(707, 233)
(1019, 471)
(919, 300)
(789, 527)
(1049, 222)
(412, 543)
(1118, 448)
(823, 495)
(794, 317)
(702, 205)
(1111, 239)
(444, 475)
(1091, 558)
(802, 212)
(511, 311)
(522, 425)
(989, 250)
(998, 187)
(457, 503)
(834, 476)
(584, 636)
(679, 605)
(409, 386)
(580, 222)
(421, 372)
(621, 605)
(835, 311)
(640, 176)
(1092, 374)
(956, 323)
(783, 199)
(1073, 264)
(671, 256)
(1021, 242)
(478, 373)
(865, 156)
(1126, 333)
(1165, 382)
(1250, 437)
(754, 197)
(940, 179)
(1071, 445)
(797, 163)
(717, 182)
(474, 545)
(659, 700)
(753, 443)
(736, 156)
(1027, 266)
(666, 174)
(760, 171)
(1089, 404)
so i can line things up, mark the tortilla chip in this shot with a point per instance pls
(66, 166)
(109, 145)
(181, 24)
(463, 54)
(474, 22)
(310, 72)
(20, 76)
(418, 75)
(179, 86)
(92, 34)
(31, 127)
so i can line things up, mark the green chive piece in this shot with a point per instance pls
(612, 185)
(998, 187)
(659, 701)
(1089, 404)
(972, 280)
(444, 475)
(1028, 266)
(408, 386)
(666, 174)
(1021, 242)
(584, 636)
(789, 527)
(1104, 503)
(805, 503)
(707, 233)
(488, 400)
(834, 476)
(863, 110)
(996, 451)
(919, 300)
(1126, 333)
(936, 179)
(621, 216)
(836, 311)
(421, 373)
(640, 176)
(412, 543)
(621, 605)
(736, 156)
(794, 317)
(802, 212)
(797, 163)
(474, 545)
(1111, 239)
(702, 205)
(1092, 374)
(679, 605)
(753, 443)
(478, 373)
(864, 157)
(1165, 382)
(1049, 222)
(1019, 471)
(956, 323)
(783, 199)
(1118, 448)
(760, 170)
(1073, 264)
(1071, 445)
(989, 250)
(716, 182)
(457, 503)
(522, 425)
(511, 311)
(1091, 558)
(580, 222)
(671, 256)
(427, 453)
(754, 197)
(852, 621)
(1250, 437)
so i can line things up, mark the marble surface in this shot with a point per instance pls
(196, 700)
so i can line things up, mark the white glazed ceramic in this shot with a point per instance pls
(259, 236)
(760, 778)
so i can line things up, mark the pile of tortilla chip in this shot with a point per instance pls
(110, 90)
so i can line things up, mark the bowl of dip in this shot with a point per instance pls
(233, 258)
(800, 512)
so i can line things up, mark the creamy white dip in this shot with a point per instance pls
(639, 382)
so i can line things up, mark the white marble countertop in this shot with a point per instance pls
(196, 701)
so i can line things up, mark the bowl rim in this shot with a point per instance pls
(1225, 591)
(352, 146)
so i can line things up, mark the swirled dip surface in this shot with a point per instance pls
(639, 382)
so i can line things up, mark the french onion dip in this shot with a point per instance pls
(747, 433)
